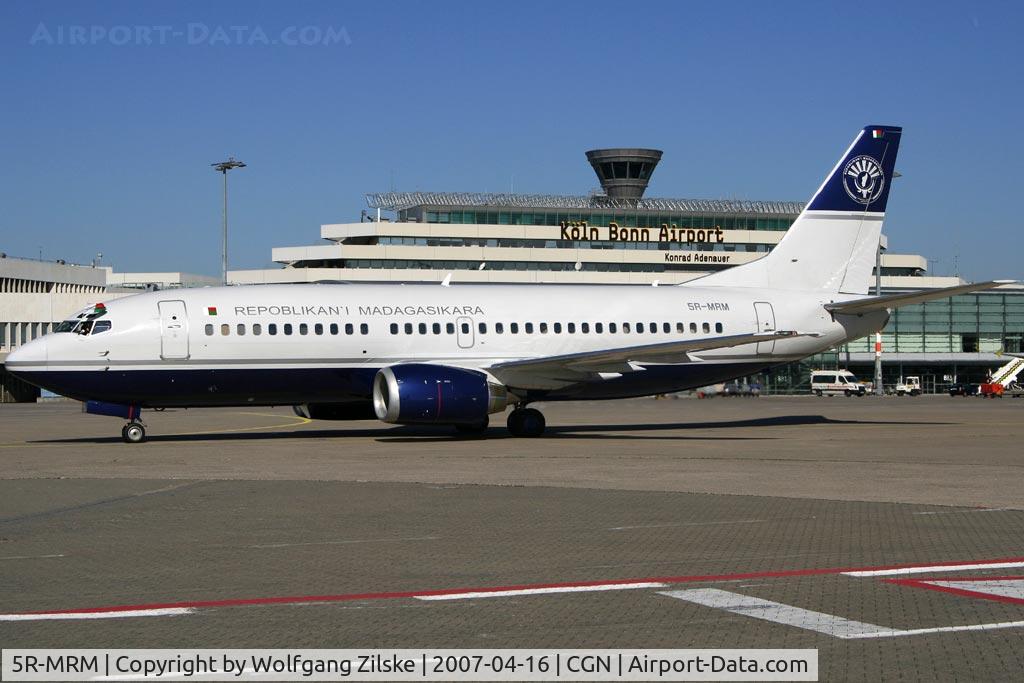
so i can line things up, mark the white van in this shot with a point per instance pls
(835, 382)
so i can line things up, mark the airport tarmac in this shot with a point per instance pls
(885, 532)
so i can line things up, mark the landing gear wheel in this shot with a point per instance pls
(133, 432)
(817, 392)
(473, 427)
(526, 422)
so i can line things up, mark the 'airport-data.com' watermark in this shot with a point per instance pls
(194, 33)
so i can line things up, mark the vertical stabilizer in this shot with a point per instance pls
(831, 246)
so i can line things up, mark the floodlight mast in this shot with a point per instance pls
(223, 167)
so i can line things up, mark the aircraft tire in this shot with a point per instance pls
(526, 422)
(133, 432)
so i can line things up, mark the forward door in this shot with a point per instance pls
(173, 330)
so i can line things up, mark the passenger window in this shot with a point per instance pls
(543, 328)
(571, 327)
(334, 328)
(394, 328)
(585, 328)
(257, 329)
(465, 328)
(652, 327)
(599, 328)
(209, 330)
(718, 327)
(318, 328)
(408, 328)
(613, 328)
(364, 328)
(240, 328)
(437, 328)
(514, 328)
(529, 328)
(639, 328)
(449, 328)
(680, 328)
(483, 328)
(303, 328)
(225, 330)
(423, 328)
(706, 327)
(287, 328)
(100, 326)
(625, 327)
(693, 328)
(666, 328)
(499, 328)
(272, 329)
(558, 328)
(349, 329)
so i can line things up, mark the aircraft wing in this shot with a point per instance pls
(878, 303)
(574, 367)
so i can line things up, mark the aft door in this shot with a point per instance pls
(465, 334)
(765, 323)
(173, 330)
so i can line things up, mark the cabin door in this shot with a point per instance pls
(173, 330)
(765, 323)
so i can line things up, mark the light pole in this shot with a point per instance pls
(224, 167)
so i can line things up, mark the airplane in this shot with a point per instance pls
(456, 354)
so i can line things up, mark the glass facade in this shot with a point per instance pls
(516, 243)
(597, 217)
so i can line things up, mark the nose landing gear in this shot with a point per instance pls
(133, 432)
(527, 422)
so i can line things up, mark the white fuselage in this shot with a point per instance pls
(279, 344)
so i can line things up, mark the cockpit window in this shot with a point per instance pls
(85, 327)
(66, 326)
(100, 326)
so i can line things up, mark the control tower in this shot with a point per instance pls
(624, 171)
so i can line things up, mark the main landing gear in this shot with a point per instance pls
(526, 422)
(133, 432)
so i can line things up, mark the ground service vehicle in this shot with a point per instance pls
(834, 382)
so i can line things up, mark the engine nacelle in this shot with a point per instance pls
(417, 393)
(361, 410)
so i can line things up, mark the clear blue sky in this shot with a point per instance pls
(106, 146)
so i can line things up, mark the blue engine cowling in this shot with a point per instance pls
(417, 393)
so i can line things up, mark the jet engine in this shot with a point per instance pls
(418, 393)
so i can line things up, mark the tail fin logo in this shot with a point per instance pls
(863, 179)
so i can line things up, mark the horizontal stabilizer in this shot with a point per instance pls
(878, 303)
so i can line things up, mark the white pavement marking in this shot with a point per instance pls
(1006, 588)
(666, 526)
(934, 568)
(960, 512)
(367, 540)
(30, 557)
(541, 591)
(940, 629)
(831, 625)
(53, 616)
(747, 606)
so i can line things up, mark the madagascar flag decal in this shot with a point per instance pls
(212, 310)
(877, 133)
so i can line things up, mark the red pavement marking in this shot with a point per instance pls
(345, 597)
(963, 592)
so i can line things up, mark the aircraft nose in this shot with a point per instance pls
(31, 354)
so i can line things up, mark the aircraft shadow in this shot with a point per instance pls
(421, 433)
